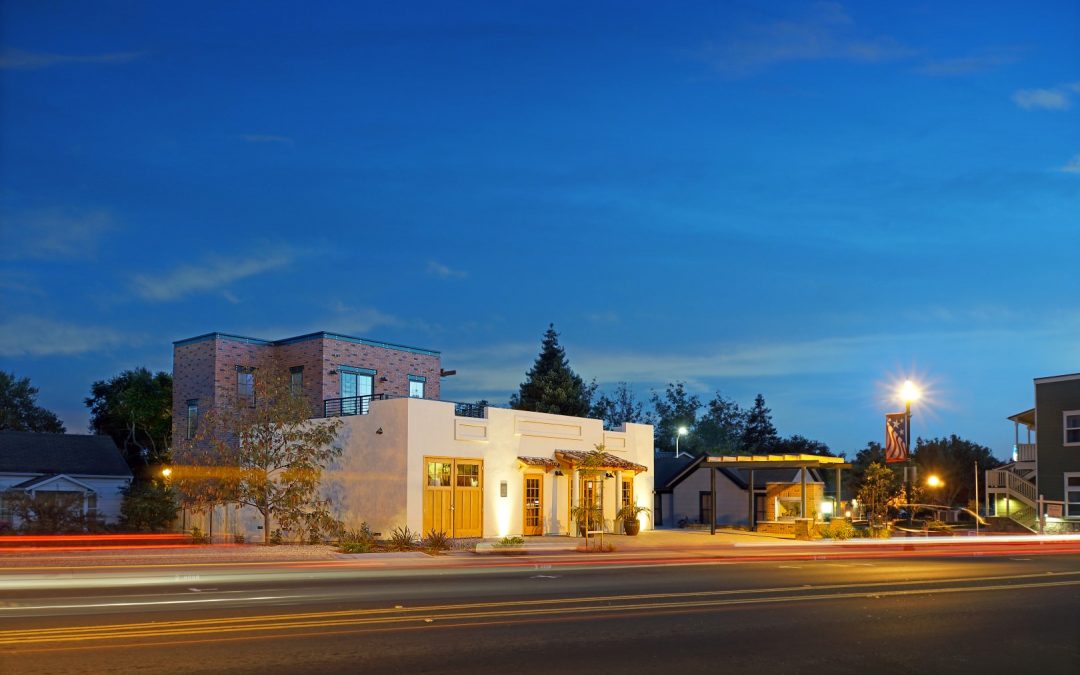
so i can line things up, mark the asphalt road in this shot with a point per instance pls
(1007, 614)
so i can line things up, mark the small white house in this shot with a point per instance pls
(472, 471)
(90, 467)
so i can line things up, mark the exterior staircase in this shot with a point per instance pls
(1023, 496)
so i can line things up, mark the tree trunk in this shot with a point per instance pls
(266, 528)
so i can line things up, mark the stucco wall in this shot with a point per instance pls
(732, 507)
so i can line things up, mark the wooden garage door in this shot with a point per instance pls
(454, 496)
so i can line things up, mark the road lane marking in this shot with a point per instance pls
(157, 631)
(99, 605)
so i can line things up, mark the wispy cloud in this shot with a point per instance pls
(966, 65)
(52, 234)
(214, 274)
(1054, 98)
(352, 320)
(265, 138)
(27, 335)
(1072, 166)
(18, 59)
(826, 33)
(437, 269)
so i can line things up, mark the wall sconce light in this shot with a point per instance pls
(383, 379)
(609, 475)
(558, 472)
(332, 372)
(378, 431)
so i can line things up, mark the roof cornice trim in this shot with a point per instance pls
(303, 338)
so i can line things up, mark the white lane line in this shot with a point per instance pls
(144, 604)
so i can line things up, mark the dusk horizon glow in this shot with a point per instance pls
(813, 202)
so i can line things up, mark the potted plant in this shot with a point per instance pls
(629, 517)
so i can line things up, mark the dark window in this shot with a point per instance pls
(192, 417)
(296, 380)
(705, 510)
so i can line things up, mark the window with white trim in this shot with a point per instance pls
(245, 384)
(416, 386)
(192, 417)
(1071, 419)
(1072, 495)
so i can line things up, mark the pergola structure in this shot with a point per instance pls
(752, 462)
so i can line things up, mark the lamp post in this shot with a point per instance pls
(908, 394)
(681, 431)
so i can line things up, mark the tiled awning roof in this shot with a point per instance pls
(546, 462)
(610, 461)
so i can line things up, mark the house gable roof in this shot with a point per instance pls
(71, 454)
(42, 481)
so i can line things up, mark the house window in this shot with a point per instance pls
(91, 505)
(296, 380)
(627, 495)
(416, 386)
(192, 417)
(468, 475)
(438, 474)
(245, 384)
(788, 508)
(1072, 495)
(1072, 427)
(356, 387)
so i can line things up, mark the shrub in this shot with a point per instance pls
(198, 537)
(402, 539)
(881, 532)
(356, 546)
(510, 542)
(435, 542)
(840, 530)
(148, 507)
(276, 538)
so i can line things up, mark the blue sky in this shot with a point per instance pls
(807, 200)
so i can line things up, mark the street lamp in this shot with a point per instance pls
(909, 393)
(166, 472)
(681, 431)
(934, 482)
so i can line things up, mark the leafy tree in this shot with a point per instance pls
(759, 434)
(551, 386)
(801, 445)
(47, 512)
(269, 456)
(853, 479)
(879, 488)
(676, 408)
(619, 408)
(135, 409)
(720, 429)
(19, 410)
(148, 506)
(953, 460)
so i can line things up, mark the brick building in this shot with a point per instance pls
(335, 372)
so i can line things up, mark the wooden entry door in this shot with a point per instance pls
(533, 505)
(454, 496)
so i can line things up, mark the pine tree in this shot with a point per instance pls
(759, 434)
(551, 386)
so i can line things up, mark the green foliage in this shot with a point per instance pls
(47, 512)
(800, 445)
(720, 429)
(357, 541)
(402, 539)
(510, 542)
(276, 538)
(269, 456)
(198, 537)
(551, 386)
(676, 408)
(134, 408)
(436, 542)
(148, 507)
(631, 512)
(840, 530)
(19, 410)
(879, 488)
(880, 531)
(953, 459)
(620, 408)
(759, 434)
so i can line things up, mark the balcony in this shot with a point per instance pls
(361, 405)
(1024, 452)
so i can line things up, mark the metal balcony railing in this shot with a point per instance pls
(350, 405)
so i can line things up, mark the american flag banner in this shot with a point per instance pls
(896, 449)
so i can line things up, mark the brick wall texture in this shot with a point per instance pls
(206, 370)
